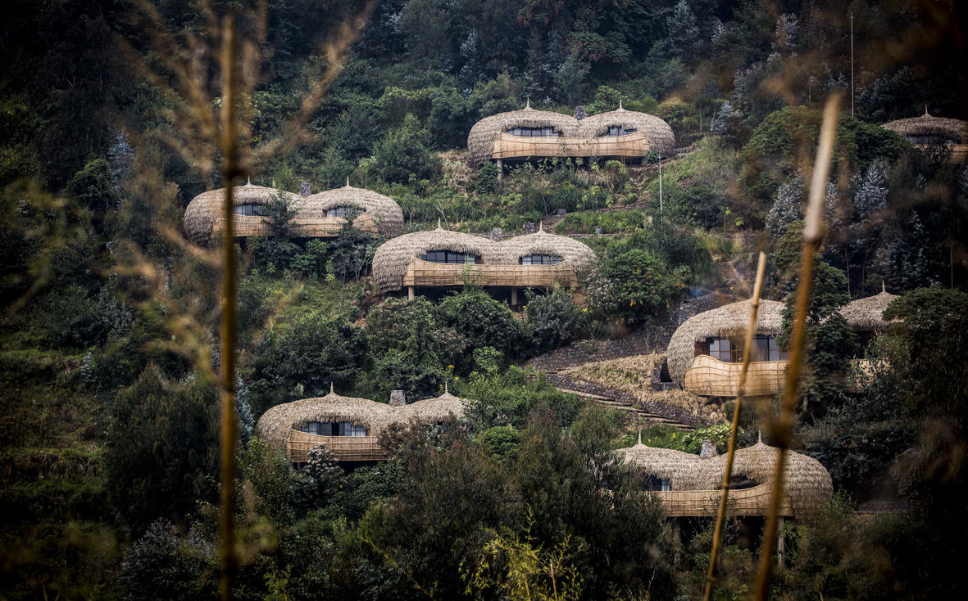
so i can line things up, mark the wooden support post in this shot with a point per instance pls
(410, 292)
(514, 296)
(780, 542)
(500, 171)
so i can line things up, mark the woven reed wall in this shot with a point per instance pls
(712, 377)
(516, 147)
(424, 273)
(344, 448)
(697, 503)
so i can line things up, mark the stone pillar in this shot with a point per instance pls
(496, 234)
(304, 189)
(410, 292)
(780, 541)
(397, 398)
(500, 171)
(514, 296)
(708, 449)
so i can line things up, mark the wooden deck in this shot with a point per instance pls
(700, 503)
(307, 227)
(518, 147)
(345, 448)
(958, 151)
(424, 273)
(712, 377)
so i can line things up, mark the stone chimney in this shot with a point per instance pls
(708, 449)
(527, 228)
(397, 398)
(580, 112)
(496, 234)
(304, 189)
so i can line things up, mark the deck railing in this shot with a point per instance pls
(743, 501)
(712, 377)
(345, 448)
(308, 227)
(425, 273)
(518, 147)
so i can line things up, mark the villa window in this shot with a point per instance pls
(618, 130)
(540, 260)
(335, 429)
(248, 209)
(533, 132)
(767, 349)
(655, 483)
(721, 348)
(449, 257)
(341, 211)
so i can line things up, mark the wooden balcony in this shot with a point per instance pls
(744, 501)
(306, 227)
(345, 448)
(517, 147)
(712, 377)
(424, 273)
(958, 151)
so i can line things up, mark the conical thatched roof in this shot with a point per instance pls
(806, 482)
(728, 320)
(383, 209)
(571, 250)
(480, 140)
(205, 208)
(275, 424)
(661, 138)
(867, 314)
(392, 258)
(926, 125)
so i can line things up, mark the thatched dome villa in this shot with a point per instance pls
(319, 215)
(380, 214)
(688, 485)
(531, 134)
(706, 351)
(866, 315)
(203, 216)
(349, 427)
(441, 259)
(927, 131)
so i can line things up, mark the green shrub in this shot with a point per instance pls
(635, 286)
(404, 154)
(553, 320)
(476, 320)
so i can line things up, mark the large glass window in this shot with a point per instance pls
(618, 130)
(533, 132)
(447, 256)
(766, 349)
(655, 483)
(342, 211)
(540, 260)
(248, 209)
(720, 348)
(334, 429)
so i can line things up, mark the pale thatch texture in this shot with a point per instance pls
(392, 258)
(806, 483)
(383, 209)
(660, 136)
(728, 320)
(867, 314)
(480, 140)
(928, 126)
(203, 211)
(275, 424)
(577, 253)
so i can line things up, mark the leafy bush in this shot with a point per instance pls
(485, 180)
(477, 320)
(508, 398)
(635, 286)
(405, 155)
(553, 320)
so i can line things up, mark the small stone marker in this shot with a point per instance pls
(304, 189)
(397, 398)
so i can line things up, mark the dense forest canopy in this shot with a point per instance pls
(110, 113)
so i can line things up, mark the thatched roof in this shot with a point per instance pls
(573, 251)
(805, 480)
(392, 258)
(480, 140)
(275, 424)
(867, 314)
(926, 125)
(728, 320)
(383, 209)
(661, 138)
(205, 208)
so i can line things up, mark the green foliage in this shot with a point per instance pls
(302, 360)
(365, 486)
(485, 180)
(476, 320)
(275, 253)
(93, 187)
(404, 154)
(635, 286)
(502, 440)
(554, 319)
(162, 448)
(508, 398)
(161, 565)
